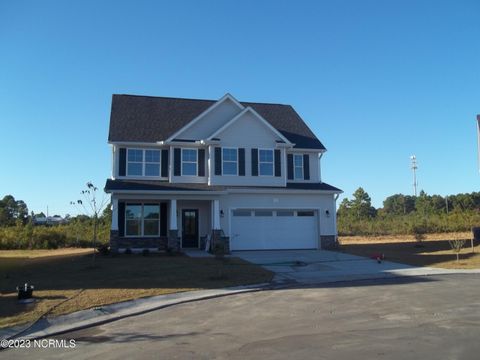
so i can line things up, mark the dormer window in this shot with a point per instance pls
(189, 162)
(142, 162)
(265, 162)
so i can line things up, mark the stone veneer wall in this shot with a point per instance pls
(328, 242)
(218, 238)
(117, 242)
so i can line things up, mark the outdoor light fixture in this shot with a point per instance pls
(221, 213)
(327, 213)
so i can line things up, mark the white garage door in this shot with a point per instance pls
(273, 229)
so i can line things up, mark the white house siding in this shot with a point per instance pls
(189, 179)
(212, 121)
(248, 132)
(321, 203)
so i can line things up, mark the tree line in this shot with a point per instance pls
(406, 214)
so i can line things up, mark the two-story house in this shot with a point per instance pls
(186, 168)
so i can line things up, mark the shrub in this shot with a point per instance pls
(75, 234)
(418, 232)
(104, 249)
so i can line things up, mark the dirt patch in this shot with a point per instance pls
(434, 251)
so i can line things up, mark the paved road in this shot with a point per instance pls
(436, 317)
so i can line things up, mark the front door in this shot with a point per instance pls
(189, 228)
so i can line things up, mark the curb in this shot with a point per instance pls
(43, 333)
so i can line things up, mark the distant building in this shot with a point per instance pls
(49, 220)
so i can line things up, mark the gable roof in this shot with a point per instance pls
(146, 119)
(258, 117)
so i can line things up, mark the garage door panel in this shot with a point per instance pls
(274, 232)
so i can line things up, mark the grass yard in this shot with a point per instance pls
(65, 280)
(434, 251)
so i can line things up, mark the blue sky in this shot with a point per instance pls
(376, 81)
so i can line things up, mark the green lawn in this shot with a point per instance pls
(65, 280)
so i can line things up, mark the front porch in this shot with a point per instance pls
(163, 224)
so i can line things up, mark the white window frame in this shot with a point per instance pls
(134, 162)
(188, 162)
(266, 162)
(229, 161)
(295, 167)
(142, 220)
(144, 162)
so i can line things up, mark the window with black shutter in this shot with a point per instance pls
(218, 161)
(122, 164)
(165, 163)
(306, 167)
(176, 161)
(278, 163)
(254, 162)
(290, 166)
(201, 162)
(241, 162)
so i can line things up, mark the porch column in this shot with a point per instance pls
(173, 214)
(114, 236)
(114, 215)
(216, 215)
(173, 242)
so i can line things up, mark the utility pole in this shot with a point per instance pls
(414, 170)
(478, 140)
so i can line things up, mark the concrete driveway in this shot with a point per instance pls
(322, 266)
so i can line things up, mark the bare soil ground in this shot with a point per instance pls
(434, 250)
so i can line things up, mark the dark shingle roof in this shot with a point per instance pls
(149, 185)
(150, 119)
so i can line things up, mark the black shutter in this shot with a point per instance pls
(176, 161)
(278, 163)
(165, 163)
(218, 161)
(290, 166)
(241, 162)
(306, 167)
(163, 219)
(122, 164)
(121, 218)
(201, 162)
(254, 162)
